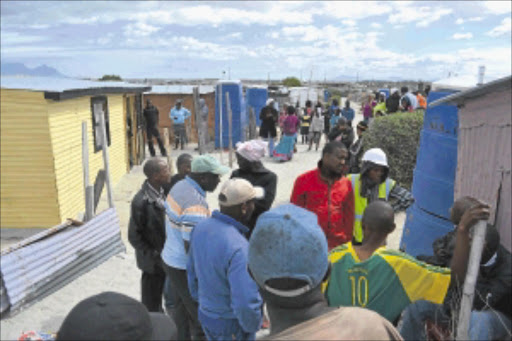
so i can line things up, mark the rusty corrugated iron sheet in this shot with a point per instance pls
(484, 155)
(33, 269)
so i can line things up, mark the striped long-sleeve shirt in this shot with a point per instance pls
(185, 207)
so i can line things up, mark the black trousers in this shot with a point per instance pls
(185, 308)
(153, 131)
(152, 288)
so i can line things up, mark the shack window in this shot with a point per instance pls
(99, 106)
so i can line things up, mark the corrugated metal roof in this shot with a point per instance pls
(460, 97)
(66, 88)
(50, 84)
(46, 262)
(179, 89)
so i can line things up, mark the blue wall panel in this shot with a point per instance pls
(256, 98)
(239, 119)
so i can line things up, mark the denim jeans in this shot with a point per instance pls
(270, 141)
(219, 329)
(484, 324)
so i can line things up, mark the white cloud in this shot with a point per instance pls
(504, 28)
(353, 10)
(498, 7)
(14, 38)
(459, 36)
(349, 22)
(474, 19)
(235, 35)
(375, 25)
(459, 21)
(208, 15)
(304, 33)
(139, 29)
(423, 16)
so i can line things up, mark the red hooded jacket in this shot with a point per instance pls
(333, 204)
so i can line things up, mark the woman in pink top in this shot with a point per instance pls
(285, 148)
(367, 108)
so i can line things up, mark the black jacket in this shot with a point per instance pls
(146, 231)
(392, 103)
(262, 178)
(151, 116)
(494, 284)
(268, 117)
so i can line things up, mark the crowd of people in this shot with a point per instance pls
(315, 268)
(331, 121)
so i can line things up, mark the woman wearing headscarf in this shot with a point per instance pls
(248, 156)
(285, 148)
(269, 118)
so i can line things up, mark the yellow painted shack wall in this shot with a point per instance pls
(65, 120)
(28, 195)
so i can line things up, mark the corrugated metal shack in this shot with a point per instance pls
(164, 98)
(484, 149)
(41, 144)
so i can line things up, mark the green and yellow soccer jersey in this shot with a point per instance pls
(387, 282)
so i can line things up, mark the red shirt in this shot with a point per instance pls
(333, 205)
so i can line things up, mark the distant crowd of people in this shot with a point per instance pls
(316, 268)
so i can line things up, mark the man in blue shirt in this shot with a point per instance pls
(348, 112)
(185, 207)
(229, 301)
(178, 115)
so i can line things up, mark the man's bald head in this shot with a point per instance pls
(153, 167)
(379, 218)
(460, 206)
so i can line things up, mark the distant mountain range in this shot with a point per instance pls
(19, 69)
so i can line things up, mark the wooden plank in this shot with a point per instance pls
(170, 164)
(198, 121)
(88, 190)
(105, 160)
(220, 123)
(468, 293)
(230, 129)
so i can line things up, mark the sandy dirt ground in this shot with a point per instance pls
(120, 273)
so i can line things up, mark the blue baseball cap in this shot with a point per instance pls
(287, 242)
(208, 164)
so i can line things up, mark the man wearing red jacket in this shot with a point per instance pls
(327, 193)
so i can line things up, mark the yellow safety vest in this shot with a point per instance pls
(360, 203)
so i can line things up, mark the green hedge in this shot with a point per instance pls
(398, 136)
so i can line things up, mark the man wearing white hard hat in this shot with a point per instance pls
(229, 300)
(373, 183)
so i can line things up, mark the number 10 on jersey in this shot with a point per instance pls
(360, 289)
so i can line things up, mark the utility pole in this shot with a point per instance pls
(229, 73)
(268, 78)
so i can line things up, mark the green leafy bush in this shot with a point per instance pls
(398, 136)
(291, 82)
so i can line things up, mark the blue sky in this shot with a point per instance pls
(163, 39)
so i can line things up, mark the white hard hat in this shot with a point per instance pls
(377, 156)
